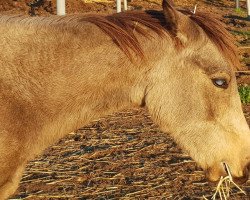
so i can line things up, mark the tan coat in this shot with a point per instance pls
(59, 73)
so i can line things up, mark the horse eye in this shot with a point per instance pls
(222, 83)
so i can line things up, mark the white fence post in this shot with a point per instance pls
(248, 9)
(60, 7)
(118, 6)
(125, 4)
(237, 2)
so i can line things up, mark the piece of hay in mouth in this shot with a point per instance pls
(224, 186)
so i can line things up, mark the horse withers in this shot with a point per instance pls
(59, 73)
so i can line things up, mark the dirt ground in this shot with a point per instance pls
(125, 155)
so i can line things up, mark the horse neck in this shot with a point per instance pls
(96, 90)
(92, 82)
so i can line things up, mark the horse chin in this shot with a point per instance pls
(214, 173)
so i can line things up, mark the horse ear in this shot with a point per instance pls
(171, 16)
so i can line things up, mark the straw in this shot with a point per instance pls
(225, 186)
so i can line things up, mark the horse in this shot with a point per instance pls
(59, 73)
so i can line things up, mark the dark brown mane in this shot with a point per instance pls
(121, 28)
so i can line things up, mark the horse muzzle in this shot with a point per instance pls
(213, 174)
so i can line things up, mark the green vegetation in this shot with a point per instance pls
(239, 10)
(244, 33)
(244, 91)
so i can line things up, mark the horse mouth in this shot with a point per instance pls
(238, 180)
(214, 174)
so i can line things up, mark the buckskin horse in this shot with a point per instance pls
(59, 73)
